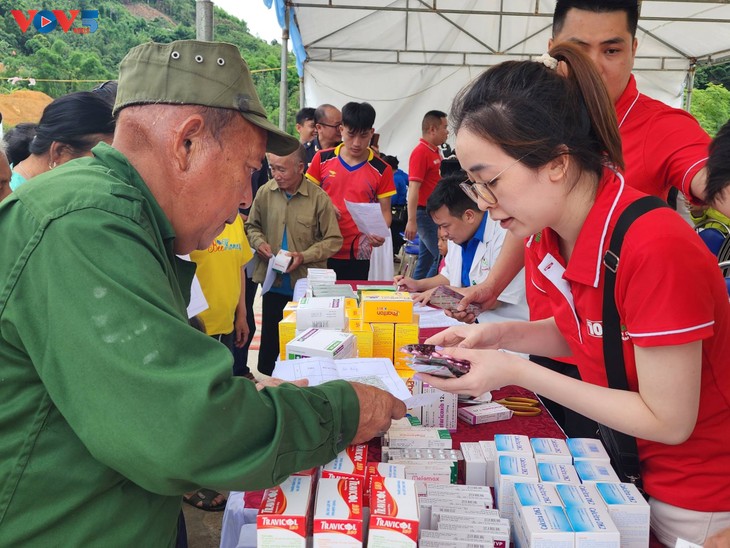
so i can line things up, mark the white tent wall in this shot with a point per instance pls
(406, 57)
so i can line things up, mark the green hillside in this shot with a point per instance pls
(63, 62)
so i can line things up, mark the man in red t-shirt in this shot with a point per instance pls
(351, 172)
(424, 171)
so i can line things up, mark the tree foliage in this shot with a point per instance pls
(82, 60)
(711, 107)
(716, 74)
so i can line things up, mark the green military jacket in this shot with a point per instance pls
(111, 405)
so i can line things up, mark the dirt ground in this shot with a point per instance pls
(23, 105)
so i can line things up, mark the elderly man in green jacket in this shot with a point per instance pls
(112, 406)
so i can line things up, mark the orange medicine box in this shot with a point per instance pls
(284, 514)
(394, 308)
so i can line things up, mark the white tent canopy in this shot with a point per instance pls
(406, 57)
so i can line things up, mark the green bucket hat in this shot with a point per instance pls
(190, 72)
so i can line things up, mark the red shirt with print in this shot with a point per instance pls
(669, 291)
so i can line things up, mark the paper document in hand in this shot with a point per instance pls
(368, 218)
(377, 372)
(270, 276)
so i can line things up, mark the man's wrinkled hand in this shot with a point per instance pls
(377, 409)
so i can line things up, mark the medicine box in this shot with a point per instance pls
(364, 342)
(321, 275)
(282, 260)
(383, 334)
(499, 530)
(348, 463)
(455, 539)
(440, 414)
(593, 527)
(422, 438)
(338, 513)
(551, 450)
(629, 511)
(490, 455)
(404, 334)
(321, 312)
(379, 471)
(510, 470)
(397, 307)
(584, 494)
(448, 514)
(284, 514)
(287, 332)
(512, 444)
(594, 472)
(536, 494)
(475, 465)
(542, 526)
(587, 449)
(321, 343)
(557, 473)
(484, 412)
(393, 514)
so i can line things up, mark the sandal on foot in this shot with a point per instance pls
(202, 499)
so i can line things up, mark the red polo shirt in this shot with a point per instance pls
(669, 291)
(662, 147)
(366, 182)
(424, 167)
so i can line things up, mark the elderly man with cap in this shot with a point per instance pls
(113, 406)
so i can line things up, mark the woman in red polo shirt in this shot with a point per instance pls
(540, 142)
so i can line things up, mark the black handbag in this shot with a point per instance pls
(621, 447)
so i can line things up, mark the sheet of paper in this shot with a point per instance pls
(270, 276)
(300, 289)
(316, 370)
(373, 371)
(368, 218)
(198, 303)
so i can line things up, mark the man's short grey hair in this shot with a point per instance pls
(3, 147)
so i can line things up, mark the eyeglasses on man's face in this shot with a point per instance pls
(334, 126)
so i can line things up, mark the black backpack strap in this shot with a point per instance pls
(622, 447)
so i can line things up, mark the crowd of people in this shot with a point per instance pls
(119, 404)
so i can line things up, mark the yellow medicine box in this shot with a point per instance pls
(383, 334)
(287, 332)
(405, 333)
(364, 341)
(393, 308)
(355, 324)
